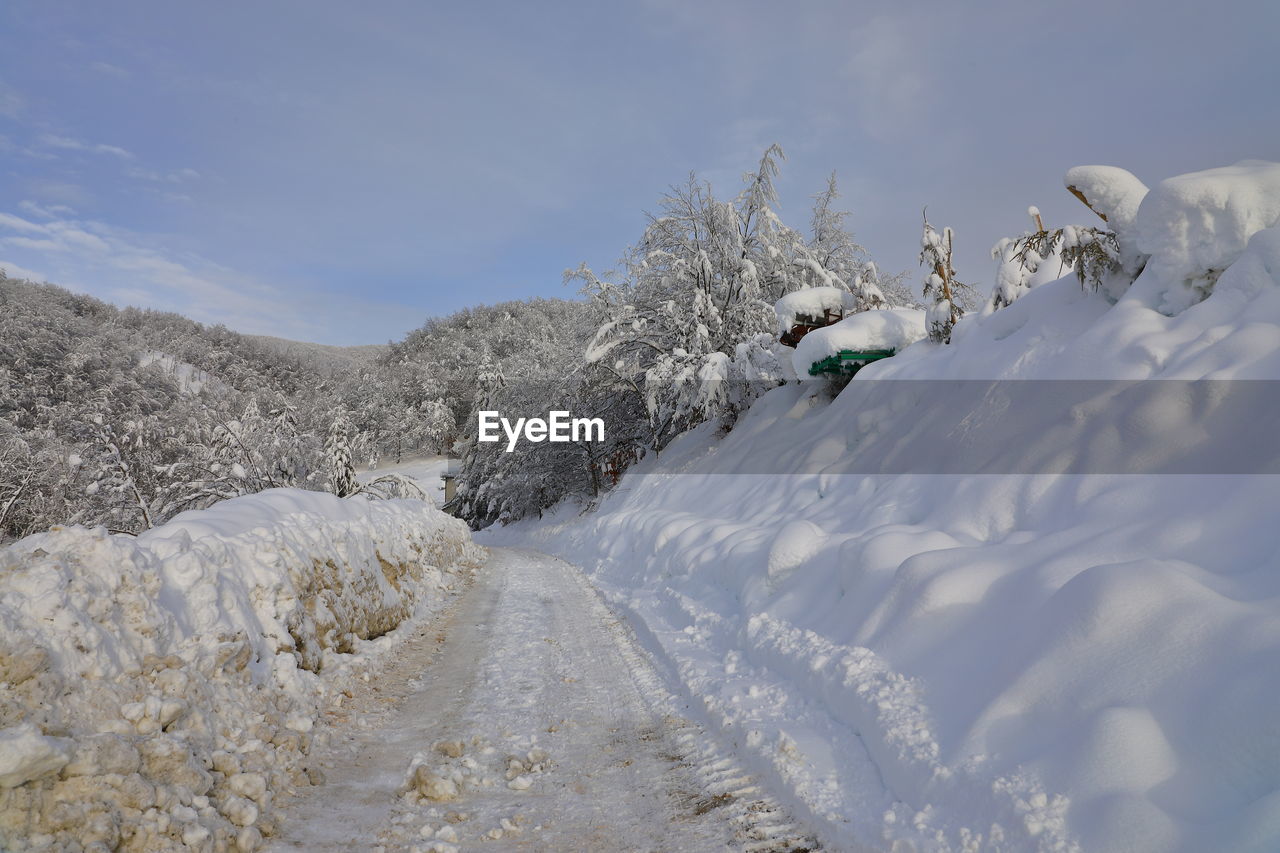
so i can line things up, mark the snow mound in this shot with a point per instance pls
(892, 328)
(812, 302)
(155, 690)
(1195, 226)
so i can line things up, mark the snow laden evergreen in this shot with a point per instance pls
(342, 471)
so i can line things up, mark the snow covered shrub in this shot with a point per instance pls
(155, 690)
(1105, 259)
(942, 290)
(1093, 253)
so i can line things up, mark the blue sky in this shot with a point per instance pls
(337, 172)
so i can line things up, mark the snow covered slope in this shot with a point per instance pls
(1019, 660)
(155, 690)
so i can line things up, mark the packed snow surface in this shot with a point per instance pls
(155, 691)
(812, 302)
(528, 719)
(892, 328)
(1016, 662)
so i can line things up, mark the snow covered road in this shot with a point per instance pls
(526, 718)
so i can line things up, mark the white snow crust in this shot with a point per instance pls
(155, 690)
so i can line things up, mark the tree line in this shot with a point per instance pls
(126, 417)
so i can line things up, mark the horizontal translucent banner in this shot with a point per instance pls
(988, 427)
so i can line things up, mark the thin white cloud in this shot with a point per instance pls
(51, 211)
(17, 223)
(109, 261)
(13, 270)
(177, 176)
(66, 143)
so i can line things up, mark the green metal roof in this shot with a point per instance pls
(848, 362)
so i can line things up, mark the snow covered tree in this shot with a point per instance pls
(834, 258)
(943, 292)
(1018, 260)
(119, 460)
(1104, 259)
(342, 472)
(690, 328)
(1093, 253)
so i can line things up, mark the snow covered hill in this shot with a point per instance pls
(155, 691)
(1052, 647)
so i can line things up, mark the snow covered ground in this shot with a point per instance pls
(920, 618)
(158, 692)
(1021, 660)
(527, 719)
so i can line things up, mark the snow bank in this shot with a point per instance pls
(155, 690)
(892, 328)
(812, 302)
(1195, 226)
(1031, 662)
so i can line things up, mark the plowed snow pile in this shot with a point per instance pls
(155, 691)
(1013, 656)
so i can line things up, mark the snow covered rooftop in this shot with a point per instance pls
(812, 302)
(890, 329)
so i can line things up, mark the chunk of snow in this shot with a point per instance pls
(1111, 191)
(25, 754)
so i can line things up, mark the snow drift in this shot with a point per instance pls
(1015, 661)
(155, 690)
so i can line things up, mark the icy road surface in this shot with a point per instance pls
(525, 718)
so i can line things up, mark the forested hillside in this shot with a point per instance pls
(125, 417)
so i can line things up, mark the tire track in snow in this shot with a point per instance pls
(533, 668)
(762, 825)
